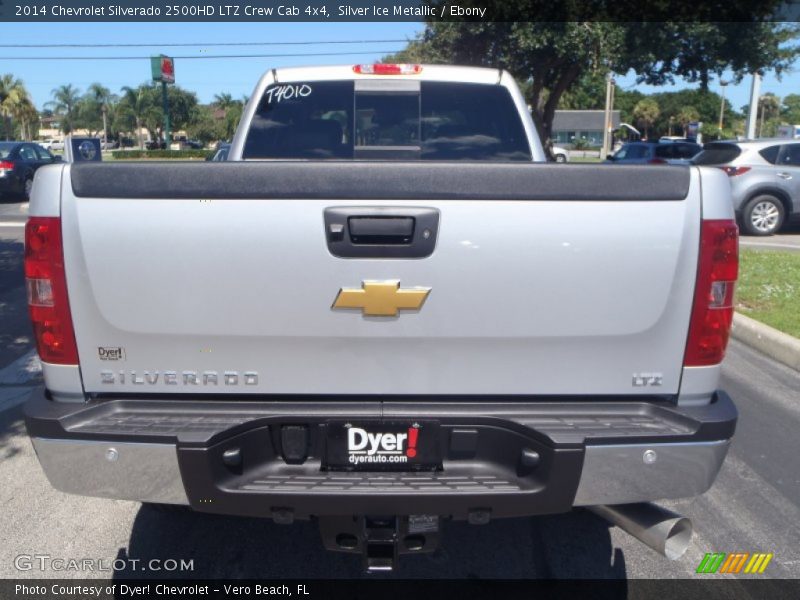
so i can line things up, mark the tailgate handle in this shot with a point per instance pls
(381, 230)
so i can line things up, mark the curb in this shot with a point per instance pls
(777, 345)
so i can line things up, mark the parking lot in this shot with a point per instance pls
(788, 240)
(754, 505)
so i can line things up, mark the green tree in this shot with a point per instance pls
(97, 106)
(706, 103)
(790, 109)
(142, 107)
(65, 101)
(26, 117)
(686, 115)
(624, 101)
(711, 131)
(645, 113)
(133, 108)
(153, 116)
(233, 112)
(224, 101)
(13, 100)
(587, 93)
(769, 108)
(205, 127)
(182, 107)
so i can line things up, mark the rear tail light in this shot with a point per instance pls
(6, 166)
(712, 312)
(47, 291)
(734, 171)
(388, 69)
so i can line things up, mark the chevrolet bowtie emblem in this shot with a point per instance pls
(381, 298)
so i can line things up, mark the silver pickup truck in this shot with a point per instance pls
(383, 312)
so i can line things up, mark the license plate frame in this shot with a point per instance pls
(357, 445)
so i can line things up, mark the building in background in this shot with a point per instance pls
(581, 127)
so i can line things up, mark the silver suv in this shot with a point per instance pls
(764, 177)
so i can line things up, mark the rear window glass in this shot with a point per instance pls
(687, 150)
(770, 154)
(387, 120)
(439, 121)
(41, 153)
(666, 151)
(717, 154)
(27, 153)
(5, 150)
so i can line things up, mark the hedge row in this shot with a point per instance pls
(134, 154)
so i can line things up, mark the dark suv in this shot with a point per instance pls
(674, 153)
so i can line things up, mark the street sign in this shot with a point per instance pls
(162, 68)
(693, 131)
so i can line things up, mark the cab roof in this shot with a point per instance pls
(427, 73)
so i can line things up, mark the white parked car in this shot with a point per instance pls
(52, 144)
(560, 154)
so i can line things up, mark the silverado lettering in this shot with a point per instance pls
(176, 378)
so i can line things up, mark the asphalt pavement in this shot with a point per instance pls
(754, 506)
(787, 240)
(15, 331)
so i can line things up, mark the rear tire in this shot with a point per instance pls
(27, 187)
(560, 158)
(763, 215)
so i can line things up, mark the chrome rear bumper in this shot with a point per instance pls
(120, 470)
(148, 472)
(592, 453)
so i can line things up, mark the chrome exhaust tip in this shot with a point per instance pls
(664, 531)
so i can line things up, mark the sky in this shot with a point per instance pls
(205, 77)
(234, 76)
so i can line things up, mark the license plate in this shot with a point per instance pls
(383, 446)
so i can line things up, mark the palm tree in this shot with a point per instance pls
(27, 115)
(686, 115)
(233, 111)
(136, 103)
(12, 96)
(224, 101)
(65, 98)
(769, 105)
(646, 112)
(103, 97)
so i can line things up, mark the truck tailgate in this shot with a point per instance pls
(544, 280)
